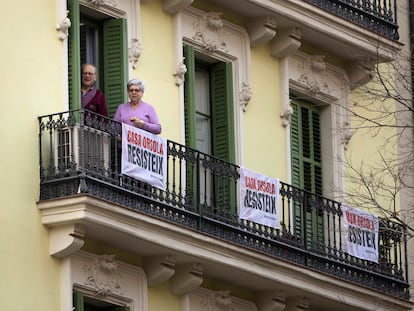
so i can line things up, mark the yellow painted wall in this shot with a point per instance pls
(156, 67)
(369, 141)
(264, 136)
(32, 69)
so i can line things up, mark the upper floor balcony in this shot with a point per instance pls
(360, 33)
(82, 193)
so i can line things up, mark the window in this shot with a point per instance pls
(209, 125)
(101, 40)
(209, 101)
(82, 302)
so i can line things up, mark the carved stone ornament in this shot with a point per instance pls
(134, 52)
(286, 115)
(245, 95)
(219, 300)
(98, 3)
(209, 32)
(102, 274)
(63, 28)
(179, 73)
(346, 134)
(312, 75)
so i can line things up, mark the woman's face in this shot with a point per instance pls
(135, 93)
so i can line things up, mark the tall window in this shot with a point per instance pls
(209, 126)
(306, 161)
(209, 118)
(101, 40)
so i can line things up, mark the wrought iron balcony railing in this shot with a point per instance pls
(379, 16)
(80, 152)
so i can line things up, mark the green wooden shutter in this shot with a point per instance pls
(222, 111)
(221, 84)
(306, 169)
(189, 98)
(190, 123)
(115, 63)
(74, 70)
(78, 302)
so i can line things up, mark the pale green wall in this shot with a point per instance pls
(31, 67)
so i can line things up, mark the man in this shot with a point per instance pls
(91, 98)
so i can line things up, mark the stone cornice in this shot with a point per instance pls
(105, 219)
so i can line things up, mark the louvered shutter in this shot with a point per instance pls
(190, 123)
(189, 98)
(115, 63)
(306, 168)
(223, 131)
(222, 111)
(74, 71)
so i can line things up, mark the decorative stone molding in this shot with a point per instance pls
(312, 74)
(99, 3)
(103, 276)
(63, 28)
(261, 30)
(173, 6)
(159, 269)
(346, 134)
(179, 73)
(208, 32)
(286, 115)
(209, 300)
(134, 52)
(186, 278)
(245, 95)
(66, 240)
(360, 72)
(271, 301)
(218, 300)
(285, 42)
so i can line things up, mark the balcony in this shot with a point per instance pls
(79, 159)
(378, 16)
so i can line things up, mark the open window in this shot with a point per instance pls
(100, 39)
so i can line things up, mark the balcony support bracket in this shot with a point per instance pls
(186, 278)
(66, 240)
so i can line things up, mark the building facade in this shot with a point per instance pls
(274, 87)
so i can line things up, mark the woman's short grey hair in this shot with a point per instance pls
(140, 83)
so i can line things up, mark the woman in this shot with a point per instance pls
(136, 112)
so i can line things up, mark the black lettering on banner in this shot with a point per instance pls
(260, 201)
(147, 160)
(363, 237)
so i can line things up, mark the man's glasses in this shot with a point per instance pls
(88, 73)
(134, 90)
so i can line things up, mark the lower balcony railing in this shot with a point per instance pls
(80, 153)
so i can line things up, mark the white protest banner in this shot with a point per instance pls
(360, 233)
(259, 198)
(144, 156)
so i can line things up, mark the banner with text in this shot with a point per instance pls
(144, 156)
(259, 198)
(360, 233)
